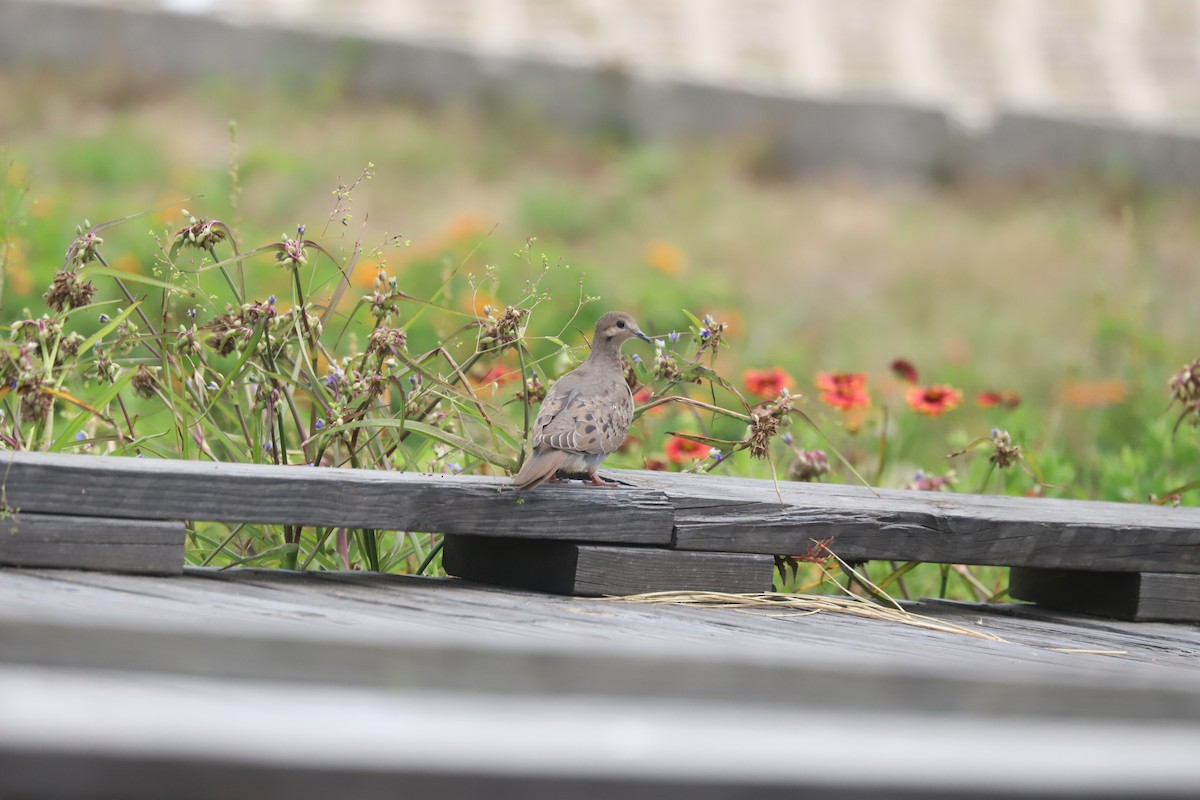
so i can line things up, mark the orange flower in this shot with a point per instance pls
(465, 227)
(656, 464)
(16, 266)
(664, 257)
(903, 369)
(366, 271)
(1094, 394)
(679, 450)
(41, 207)
(127, 263)
(843, 390)
(992, 399)
(933, 401)
(481, 303)
(766, 383)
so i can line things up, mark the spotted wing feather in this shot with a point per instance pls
(595, 424)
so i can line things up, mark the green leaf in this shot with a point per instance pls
(129, 277)
(75, 425)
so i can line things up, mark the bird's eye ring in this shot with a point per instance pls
(620, 323)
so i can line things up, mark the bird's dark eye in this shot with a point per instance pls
(620, 323)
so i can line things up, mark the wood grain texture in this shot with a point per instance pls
(744, 515)
(119, 545)
(106, 486)
(394, 632)
(596, 570)
(1168, 597)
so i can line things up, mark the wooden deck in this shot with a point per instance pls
(267, 684)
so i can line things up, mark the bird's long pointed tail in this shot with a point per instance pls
(539, 468)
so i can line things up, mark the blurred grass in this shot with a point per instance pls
(1052, 291)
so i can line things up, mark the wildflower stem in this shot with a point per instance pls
(525, 403)
(425, 562)
(239, 295)
(221, 547)
(836, 452)
(129, 296)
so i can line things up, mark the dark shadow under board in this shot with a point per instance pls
(1141, 597)
(572, 568)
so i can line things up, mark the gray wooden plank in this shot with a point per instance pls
(122, 545)
(539, 645)
(1122, 595)
(591, 570)
(743, 515)
(203, 737)
(107, 486)
(1077, 634)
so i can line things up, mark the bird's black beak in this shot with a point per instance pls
(643, 337)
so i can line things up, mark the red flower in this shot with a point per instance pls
(843, 390)
(498, 375)
(679, 450)
(933, 401)
(767, 383)
(642, 396)
(992, 399)
(903, 369)
(656, 464)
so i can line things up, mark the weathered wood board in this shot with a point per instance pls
(594, 570)
(106, 486)
(397, 632)
(1172, 597)
(754, 516)
(440, 687)
(125, 545)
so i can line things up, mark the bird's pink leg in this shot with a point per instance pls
(595, 480)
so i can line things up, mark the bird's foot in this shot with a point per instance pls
(595, 480)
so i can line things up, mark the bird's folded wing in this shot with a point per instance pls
(593, 424)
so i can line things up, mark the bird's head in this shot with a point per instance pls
(615, 328)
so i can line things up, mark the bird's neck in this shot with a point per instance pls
(605, 355)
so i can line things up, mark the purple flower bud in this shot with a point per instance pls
(271, 300)
(637, 359)
(704, 333)
(319, 424)
(191, 312)
(79, 437)
(674, 336)
(300, 229)
(787, 438)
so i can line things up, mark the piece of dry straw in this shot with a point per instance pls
(803, 605)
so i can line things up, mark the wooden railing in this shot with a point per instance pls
(658, 531)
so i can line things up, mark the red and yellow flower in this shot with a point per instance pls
(766, 383)
(843, 390)
(680, 450)
(933, 401)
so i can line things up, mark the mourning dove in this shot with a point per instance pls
(587, 413)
